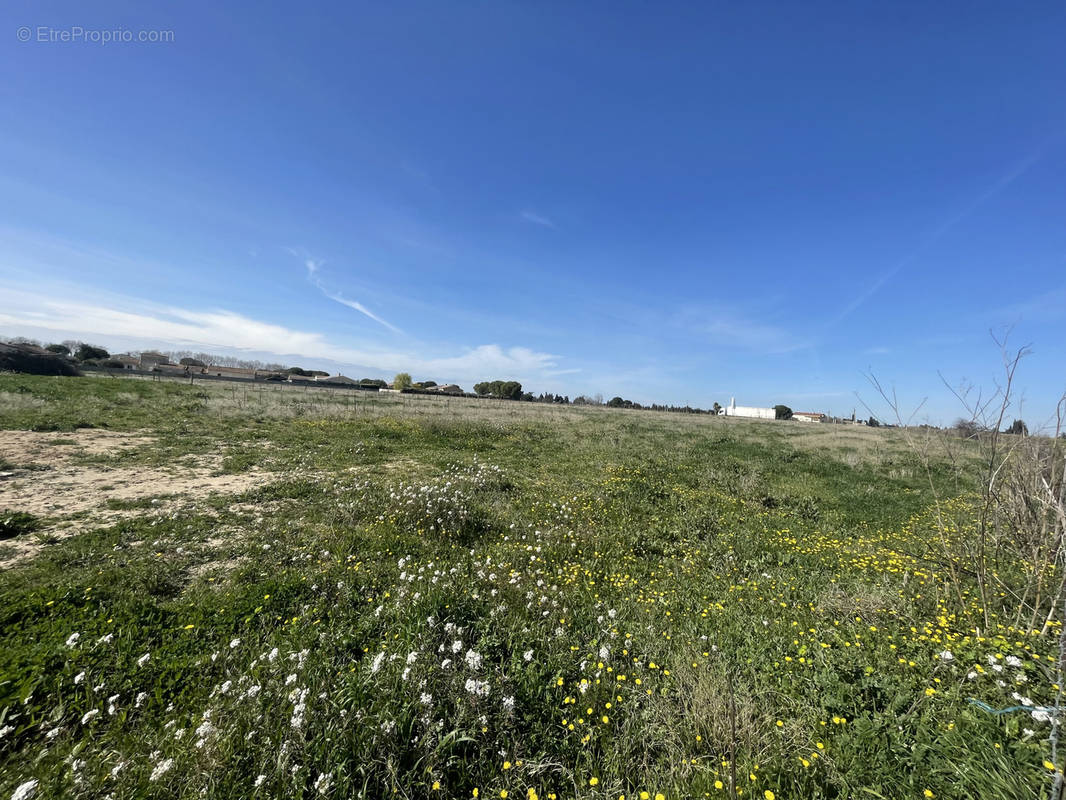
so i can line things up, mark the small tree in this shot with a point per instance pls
(87, 351)
(782, 412)
(402, 381)
(1018, 428)
(58, 349)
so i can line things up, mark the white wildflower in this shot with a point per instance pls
(4, 731)
(25, 790)
(323, 782)
(527, 656)
(473, 660)
(161, 769)
(476, 687)
(89, 715)
(376, 664)
(141, 697)
(234, 643)
(260, 780)
(946, 656)
(508, 704)
(143, 659)
(72, 640)
(79, 678)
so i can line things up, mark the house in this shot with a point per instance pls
(150, 359)
(448, 388)
(808, 416)
(751, 412)
(336, 380)
(127, 361)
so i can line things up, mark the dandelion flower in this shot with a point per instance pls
(593, 781)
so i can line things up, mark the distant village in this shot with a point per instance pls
(68, 358)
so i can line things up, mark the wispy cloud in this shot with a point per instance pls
(313, 267)
(1044, 307)
(739, 332)
(360, 308)
(139, 323)
(937, 233)
(876, 351)
(537, 219)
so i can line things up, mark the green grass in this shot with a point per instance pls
(648, 567)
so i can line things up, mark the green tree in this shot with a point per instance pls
(402, 381)
(1019, 428)
(505, 390)
(58, 349)
(782, 412)
(87, 351)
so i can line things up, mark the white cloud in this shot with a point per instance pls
(537, 219)
(313, 267)
(738, 332)
(133, 321)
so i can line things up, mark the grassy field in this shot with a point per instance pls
(381, 596)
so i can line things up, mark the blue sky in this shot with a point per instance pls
(676, 202)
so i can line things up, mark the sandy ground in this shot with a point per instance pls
(46, 482)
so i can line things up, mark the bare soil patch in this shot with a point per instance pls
(45, 482)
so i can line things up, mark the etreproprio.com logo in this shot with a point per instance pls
(76, 34)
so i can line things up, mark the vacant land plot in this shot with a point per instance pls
(243, 591)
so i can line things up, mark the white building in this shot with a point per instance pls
(752, 412)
